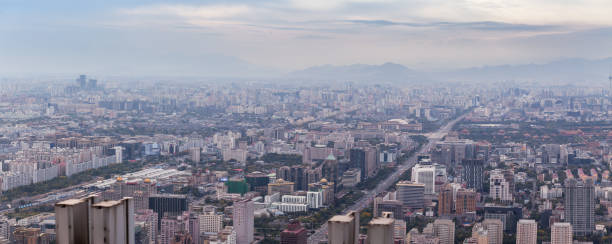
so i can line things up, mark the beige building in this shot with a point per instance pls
(561, 233)
(526, 231)
(445, 230)
(344, 229)
(380, 230)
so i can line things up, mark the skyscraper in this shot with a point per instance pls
(526, 231)
(294, 234)
(425, 174)
(244, 224)
(472, 173)
(499, 188)
(411, 194)
(445, 201)
(194, 228)
(344, 229)
(495, 229)
(167, 205)
(465, 202)
(580, 206)
(445, 230)
(561, 233)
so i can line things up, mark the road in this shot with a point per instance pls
(320, 235)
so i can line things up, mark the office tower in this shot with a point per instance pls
(173, 227)
(118, 154)
(88, 221)
(425, 174)
(195, 154)
(526, 231)
(499, 188)
(294, 234)
(561, 233)
(82, 81)
(344, 229)
(381, 230)
(445, 230)
(358, 160)
(411, 194)
(495, 229)
(445, 201)
(113, 222)
(293, 174)
(210, 222)
(194, 228)
(329, 170)
(580, 206)
(465, 202)
(244, 221)
(509, 215)
(258, 182)
(394, 206)
(167, 205)
(92, 85)
(472, 173)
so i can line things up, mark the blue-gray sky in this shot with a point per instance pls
(247, 37)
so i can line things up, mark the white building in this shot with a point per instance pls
(526, 231)
(561, 233)
(210, 222)
(244, 224)
(499, 187)
(425, 174)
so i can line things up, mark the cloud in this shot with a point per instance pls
(189, 11)
(482, 25)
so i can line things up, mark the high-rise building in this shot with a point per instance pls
(88, 221)
(561, 233)
(24, 235)
(244, 224)
(465, 202)
(167, 205)
(495, 229)
(147, 220)
(381, 230)
(472, 173)
(445, 230)
(499, 188)
(394, 206)
(480, 235)
(344, 229)
(210, 222)
(509, 215)
(580, 206)
(445, 201)
(425, 174)
(294, 234)
(258, 182)
(411, 194)
(526, 231)
(194, 228)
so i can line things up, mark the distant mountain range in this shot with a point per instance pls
(561, 72)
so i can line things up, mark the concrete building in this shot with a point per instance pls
(472, 173)
(411, 194)
(244, 224)
(499, 188)
(580, 206)
(88, 221)
(381, 230)
(444, 229)
(526, 231)
(425, 174)
(281, 186)
(210, 222)
(495, 229)
(344, 229)
(465, 201)
(561, 233)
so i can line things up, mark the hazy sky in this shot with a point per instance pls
(223, 37)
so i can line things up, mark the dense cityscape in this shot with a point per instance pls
(262, 163)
